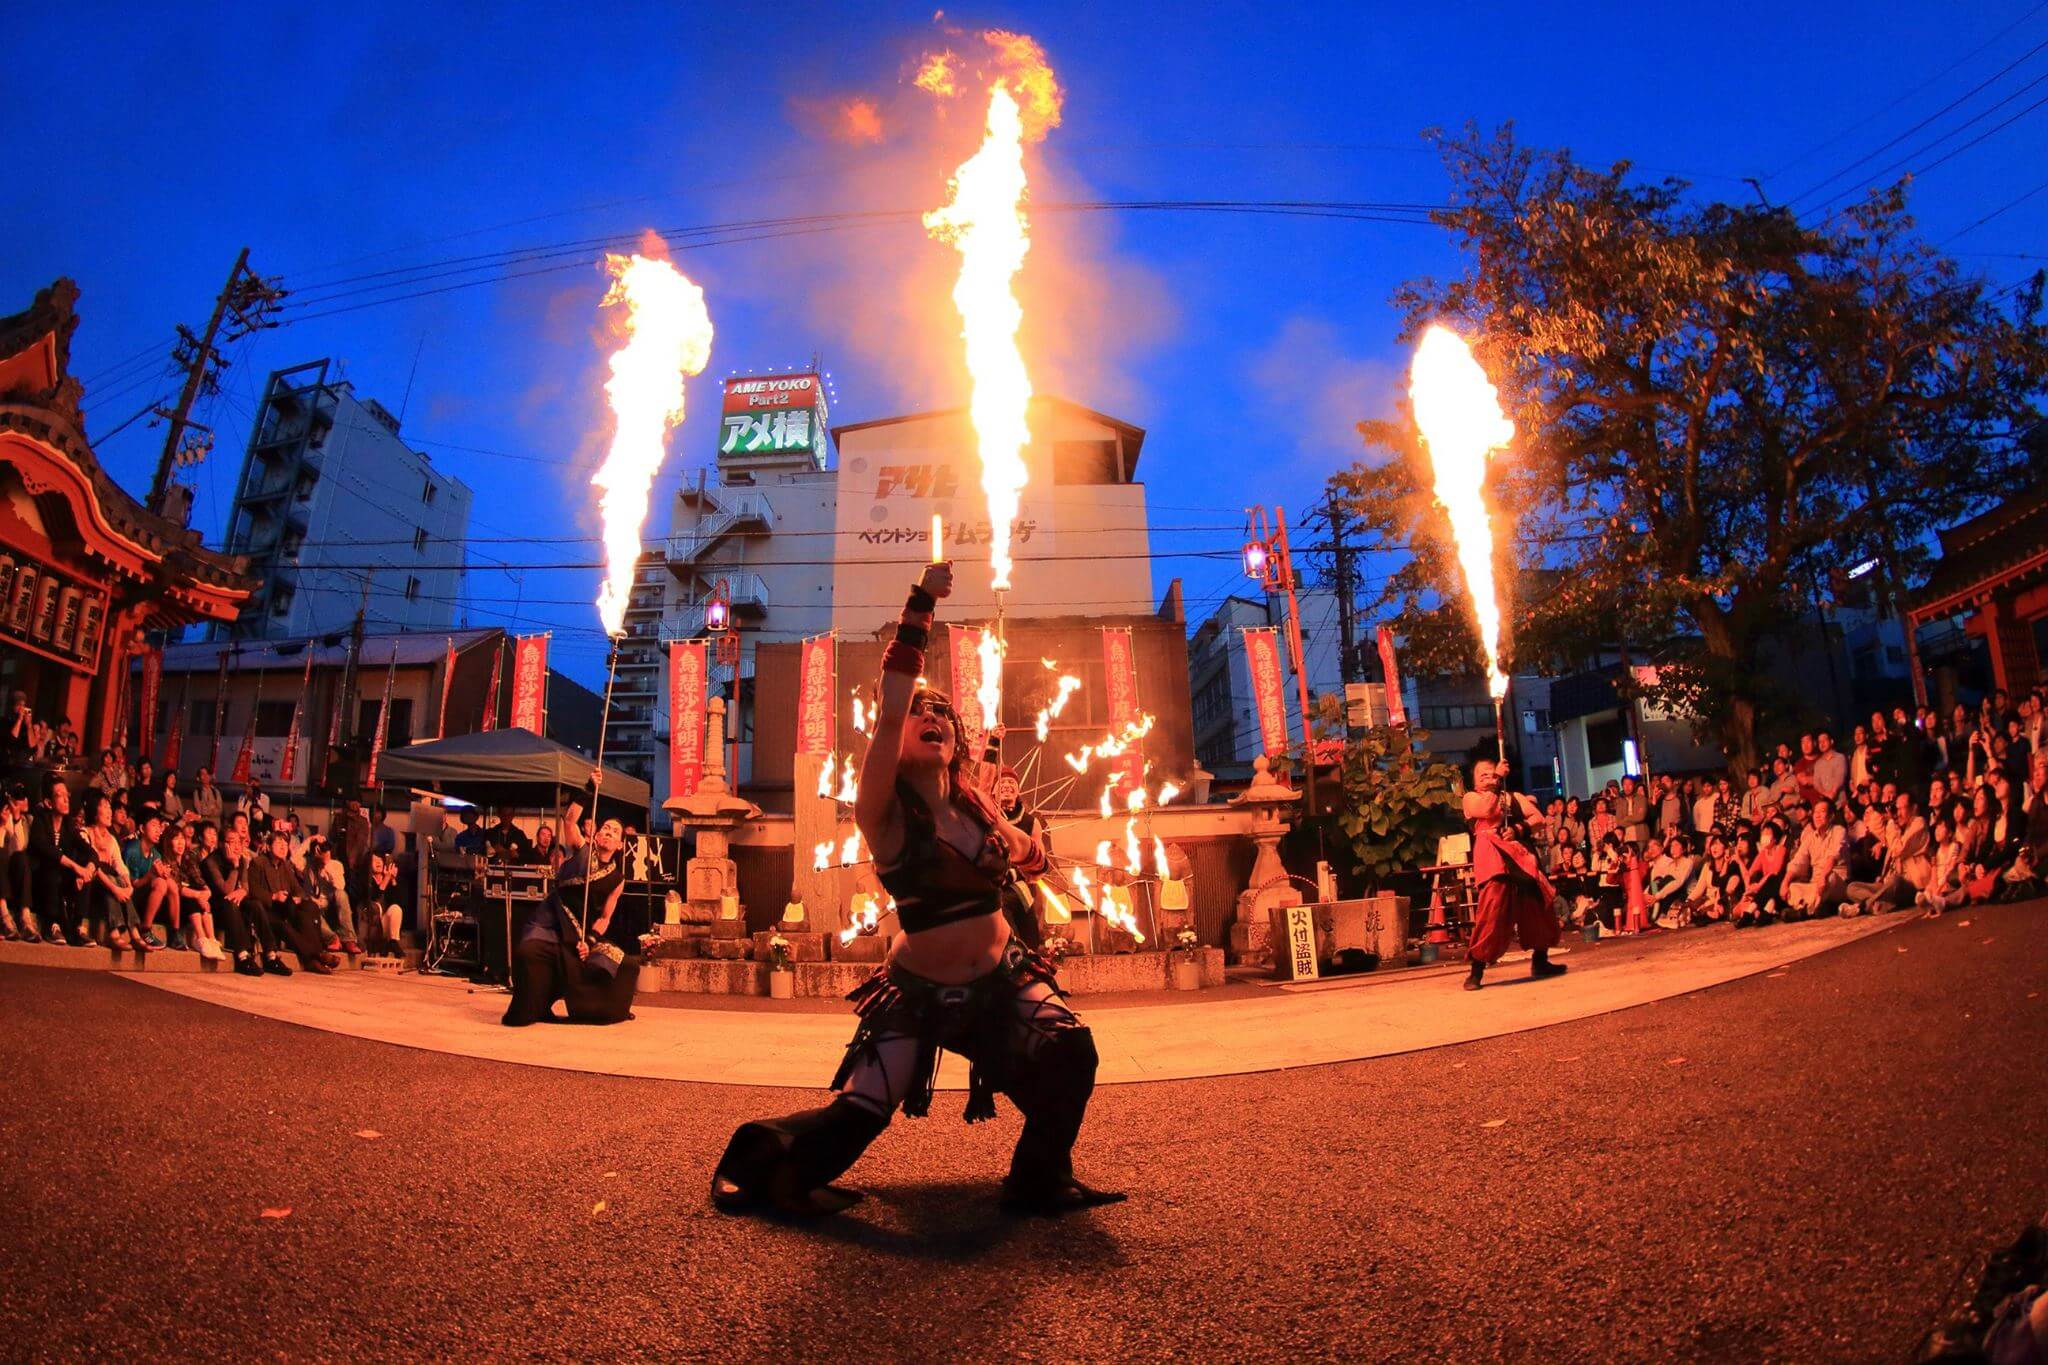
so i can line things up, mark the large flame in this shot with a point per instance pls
(1462, 425)
(985, 222)
(668, 337)
(988, 689)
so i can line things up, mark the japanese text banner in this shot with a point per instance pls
(1120, 679)
(1397, 713)
(816, 731)
(687, 704)
(530, 684)
(965, 646)
(1262, 660)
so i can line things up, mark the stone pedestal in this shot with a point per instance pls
(861, 948)
(1272, 805)
(713, 813)
(802, 947)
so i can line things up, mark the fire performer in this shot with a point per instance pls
(559, 952)
(956, 979)
(1514, 895)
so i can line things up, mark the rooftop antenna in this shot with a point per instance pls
(406, 401)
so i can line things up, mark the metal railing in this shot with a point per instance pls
(742, 511)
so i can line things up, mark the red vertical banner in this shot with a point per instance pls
(529, 683)
(817, 684)
(288, 765)
(1262, 660)
(245, 755)
(1397, 712)
(383, 722)
(490, 721)
(174, 745)
(152, 684)
(965, 646)
(1120, 684)
(220, 713)
(447, 681)
(687, 700)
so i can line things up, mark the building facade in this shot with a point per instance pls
(336, 513)
(87, 574)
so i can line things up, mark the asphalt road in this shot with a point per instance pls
(1805, 1166)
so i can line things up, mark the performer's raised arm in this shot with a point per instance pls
(877, 812)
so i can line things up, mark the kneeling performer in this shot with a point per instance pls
(955, 978)
(1514, 895)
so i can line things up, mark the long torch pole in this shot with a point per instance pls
(604, 720)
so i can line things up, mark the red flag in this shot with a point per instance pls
(816, 685)
(447, 681)
(530, 683)
(288, 766)
(174, 745)
(1120, 678)
(245, 754)
(687, 706)
(383, 721)
(1397, 713)
(1262, 660)
(491, 697)
(152, 682)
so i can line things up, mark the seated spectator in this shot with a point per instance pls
(225, 866)
(469, 838)
(1604, 821)
(145, 792)
(281, 890)
(169, 802)
(506, 842)
(1944, 889)
(1763, 872)
(1718, 885)
(379, 918)
(17, 920)
(111, 776)
(195, 898)
(1813, 879)
(154, 878)
(1903, 865)
(329, 881)
(206, 802)
(546, 851)
(111, 917)
(1671, 878)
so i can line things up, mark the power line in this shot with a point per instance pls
(1999, 211)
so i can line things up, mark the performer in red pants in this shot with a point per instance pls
(1514, 895)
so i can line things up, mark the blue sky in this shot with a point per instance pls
(148, 143)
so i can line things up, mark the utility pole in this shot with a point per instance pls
(1344, 580)
(247, 300)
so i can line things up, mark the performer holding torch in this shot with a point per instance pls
(955, 979)
(1515, 898)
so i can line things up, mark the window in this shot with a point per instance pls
(1457, 717)
(273, 719)
(400, 733)
(1535, 721)
(281, 600)
(412, 589)
(1603, 743)
(419, 538)
(200, 721)
(427, 494)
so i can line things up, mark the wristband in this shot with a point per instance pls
(903, 658)
(917, 637)
(921, 602)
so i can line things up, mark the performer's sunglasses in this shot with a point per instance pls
(927, 705)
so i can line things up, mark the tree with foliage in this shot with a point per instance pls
(1715, 405)
(1397, 800)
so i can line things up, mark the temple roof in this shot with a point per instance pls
(1985, 552)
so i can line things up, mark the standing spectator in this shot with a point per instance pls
(1859, 758)
(470, 839)
(206, 797)
(1802, 768)
(1632, 812)
(1603, 822)
(546, 851)
(1572, 826)
(254, 802)
(1830, 768)
(1755, 799)
(506, 842)
(1705, 810)
(146, 793)
(1813, 879)
(281, 890)
(111, 776)
(169, 802)
(1670, 806)
(352, 836)
(18, 748)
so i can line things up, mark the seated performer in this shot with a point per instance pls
(554, 940)
(955, 979)
(1514, 896)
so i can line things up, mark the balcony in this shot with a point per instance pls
(740, 512)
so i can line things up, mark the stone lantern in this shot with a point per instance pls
(1272, 805)
(711, 882)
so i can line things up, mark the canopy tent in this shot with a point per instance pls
(508, 767)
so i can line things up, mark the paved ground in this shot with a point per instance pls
(1836, 1151)
(1190, 1035)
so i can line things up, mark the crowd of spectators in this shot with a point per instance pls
(132, 861)
(1917, 810)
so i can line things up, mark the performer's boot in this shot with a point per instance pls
(1474, 981)
(1541, 966)
(789, 1163)
(1052, 1087)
